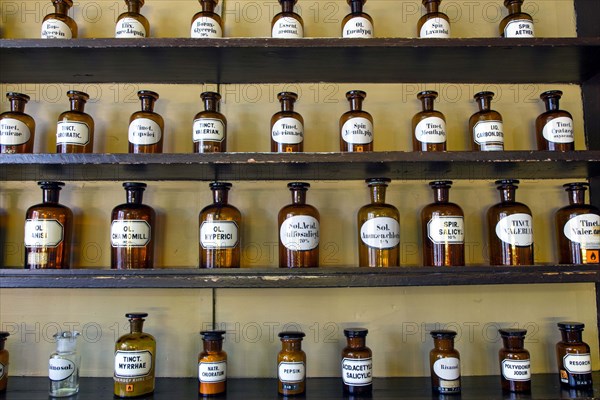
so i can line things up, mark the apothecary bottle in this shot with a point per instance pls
(486, 126)
(516, 24)
(212, 364)
(444, 361)
(357, 363)
(220, 225)
(64, 365)
(132, 231)
(135, 360)
(58, 25)
(510, 228)
(132, 24)
(4, 361)
(17, 129)
(287, 126)
(207, 23)
(429, 125)
(378, 229)
(515, 365)
(573, 356)
(287, 24)
(291, 364)
(48, 229)
(298, 231)
(434, 24)
(209, 132)
(554, 128)
(357, 24)
(146, 127)
(356, 125)
(75, 128)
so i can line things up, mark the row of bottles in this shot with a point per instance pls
(75, 128)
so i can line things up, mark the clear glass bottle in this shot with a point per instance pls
(287, 126)
(434, 24)
(516, 24)
(220, 225)
(573, 356)
(515, 365)
(17, 129)
(207, 23)
(212, 365)
(485, 126)
(64, 365)
(135, 360)
(298, 231)
(554, 128)
(291, 364)
(209, 132)
(75, 128)
(132, 24)
(444, 362)
(132, 231)
(429, 125)
(48, 229)
(287, 24)
(4, 361)
(146, 127)
(510, 228)
(357, 363)
(58, 25)
(378, 229)
(356, 125)
(357, 24)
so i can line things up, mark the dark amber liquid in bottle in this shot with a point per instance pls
(75, 128)
(59, 25)
(207, 23)
(146, 128)
(573, 356)
(486, 125)
(291, 364)
(429, 125)
(554, 128)
(434, 24)
(444, 362)
(356, 125)
(357, 24)
(287, 126)
(212, 365)
(357, 363)
(17, 129)
(287, 24)
(515, 365)
(132, 24)
(4, 358)
(516, 24)
(210, 126)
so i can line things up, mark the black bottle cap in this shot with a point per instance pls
(287, 95)
(219, 185)
(4, 335)
(356, 1)
(440, 184)
(551, 93)
(356, 93)
(212, 335)
(571, 326)
(51, 185)
(427, 93)
(75, 93)
(20, 96)
(134, 185)
(136, 315)
(576, 186)
(298, 185)
(513, 332)
(377, 181)
(209, 95)
(483, 94)
(147, 93)
(443, 334)
(507, 2)
(291, 335)
(68, 3)
(355, 332)
(501, 183)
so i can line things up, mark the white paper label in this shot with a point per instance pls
(380, 233)
(211, 129)
(212, 372)
(288, 131)
(357, 130)
(516, 370)
(357, 372)
(205, 27)
(60, 369)
(578, 363)
(218, 235)
(129, 28)
(287, 28)
(435, 28)
(519, 28)
(41, 233)
(431, 130)
(446, 230)
(358, 27)
(447, 368)
(516, 230)
(77, 133)
(129, 233)
(559, 130)
(300, 232)
(489, 135)
(3, 370)
(291, 372)
(56, 29)
(585, 230)
(132, 364)
(144, 131)
(13, 132)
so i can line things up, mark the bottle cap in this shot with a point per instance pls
(576, 186)
(355, 332)
(377, 181)
(356, 93)
(443, 334)
(51, 185)
(551, 93)
(136, 315)
(440, 184)
(281, 1)
(219, 185)
(134, 185)
(571, 326)
(506, 182)
(75, 93)
(147, 93)
(356, 1)
(287, 95)
(298, 185)
(68, 3)
(209, 95)
(4, 335)
(291, 335)
(483, 94)
(66, 341)
(427, 94)
(20, 96)
(507, 2)
(513, 332)
(212, 335)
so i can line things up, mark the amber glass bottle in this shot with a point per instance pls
(515, 366)
(434, 24)
(357, 363)
(146, 127)
(510, 228)
(220, 231)
(287, 24)
(444, 361)
(486, 125)
(573, 356)
(429, 125)
(357, 24)
(212, 364)
(132, 231)
(3, 362)
(554, 128)
(207, 23)
(291, 364)
(210, 126)
(58, 25)
(132, 24)
(75, 128)
(48, 228)
(135, 355)
(516, 24)
(356, 125)
(287, 126)
(17, 129)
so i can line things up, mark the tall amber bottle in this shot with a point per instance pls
(554, 128)
(17, 129)
(485, 126)
(429, 125)
(58, 25)
(434, 24)
(132, 24)
(287, 24)
(132, 231)
(378, 229)
(291, 364)
(357, 363)
(444, 362)
(209, 132)
(135, 359)
(298, 231)
(515, 365)
(75, 128)
(516, 24)
(573, 356)
(212, 364)
(287, 126)
(510, 228)
(207, 23)
(357, 24)
(48, 229)
(220, 225)
(146, 127)
(4, 358)
(356, 125)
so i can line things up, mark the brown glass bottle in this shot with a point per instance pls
(75, 128)
(58, 25)
(220, 231)
(287, 126)
(434, 24)
(207, 23)
(212, 364)
(378, 229)
(291, 364)
(132, 24)
(48, 228)
(357, 24)
(510, 228)
(429, 125)
(356, 125)
(298, 231)
(444, 361)
(132, 231)
(485, 126)
(209, 132)
(516, 24)
(146, 127)
(135, 359)
(357, 363)
(287, 24)
(4, 358)
(554, 128)
(573, 356)
(515, 365)
(17, 129)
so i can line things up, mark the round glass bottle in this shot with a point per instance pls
(75, 128)
(357, 24)
(287, 24)
(356, 125)
(207, 23)
(132, 24)
(4, 359)
(516, 24)
(64, 365)
(291, 364)
(17, 129)
(444, 362)
(554, 128)
(58, 25)
(212, 364)
(357, 363)
(486, 125)
(434, 24)
(429, 125)
(146, 127)
(287, 126)
(209, 132)
(515, 365)
(573, 356)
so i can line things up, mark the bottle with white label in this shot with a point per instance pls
(429, 125)
(146, 127)
(510, 228)
(220, 227)
(573, 356)
(17, 129)
(58, 25)
(75, 128)
(291, 364)
(287, 24)
(132, 24)
(357, 363)
(132, 231)
(485, 126)
(444, 362)
(357, 24)
(207, 23)
(48, 228)
(135, 356)
(434, 24)
(209, 132)
(212, 365)
(287, 126)
(64, 365)
(554, 128)
(4, 358)
(515, 365)
(356, 125)
(517, 24)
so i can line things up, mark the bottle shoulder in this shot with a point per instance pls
(206, 114)
(509, 208)
(421, 115)
(227, 209)
(443, 209)
(291, 210)
(130, 208)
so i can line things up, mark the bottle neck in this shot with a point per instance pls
(441, 195)
(356, 342)
(513, 342)
(299, 196)
(291, 345)
(2, 343)
(378, 194)
(356, 103)
(551, 103)
(210, 104)
(208, 6)
(443, 344)
(17, 105)
(507, 195)
(51, 195)
(514, 8)
(356, 7)
(427, 103)
(220, 196)
(287, 6)
(576, 196)
(212, 346)
(134, 196)
(136, 325)
(61, 8)
(287, 105)
(134, 6)
(432, 7)
(77, 104)
(484, 103)
(147, 104)
(571, 336)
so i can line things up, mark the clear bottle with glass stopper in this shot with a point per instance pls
(517, 24)
(573, 356)
(287, 24)
(207, 23)
(357, 363)
(444, 361)
(4, 361)
(132, 24)
(356, 125)
(429, 125)
(64, 365)
(75, 128)
(17, 129)
(58, 25)
(554, 128)
(287, 126)
(212, 365)
(209, 132)
(515, 364)
(357, 24)
(434, 24)
(291, 364)
(486, 126)
(146, 127)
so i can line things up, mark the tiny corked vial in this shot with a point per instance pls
(357, 24)
(434, 23)
(75, 128)
(444, 361)
(291, 364)
(429, 125)
(4, 361)
(146, 127)
(486, 126)
(58, 25)
(515, 364)
(209, 131)
(357, 363)
(287, 24)
(554, 128)
(573, 356)
(287, 126)
(212, 364)
(356, 125)
(207, 23)
(17, 129)
(64, 365)
(132, 24)
(517, 24)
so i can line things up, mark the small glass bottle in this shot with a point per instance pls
(132, 24)
(298, 231)
(75, 128)
(135, 355)
(444, 361)
(434, 24)
(4, 358)
(516, 24)
(287, 126)
(378, 229)
(356, 125)
(554, 128)
(515, 365)
(48, 228)
(357, 24)
(486, 125)
(64, 365)
(287, 24)
(58, 25)
(291, 364)
(429, 125)
(220, 225)
(17, 129)
(357, 363)
(212, 364)
(146, 127)
(209, 132)
(510, 228)
(132, 231)
(573, 356)
(207, 23)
